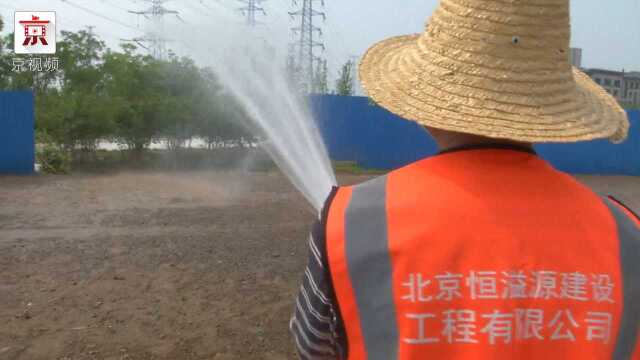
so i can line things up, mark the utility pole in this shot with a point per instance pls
(355, 74)
(154, 40)
(91, 43)
(306, 43)
(250, 9)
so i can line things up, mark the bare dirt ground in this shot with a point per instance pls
(200, 265)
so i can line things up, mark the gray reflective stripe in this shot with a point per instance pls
(369, 264)
(629, 236)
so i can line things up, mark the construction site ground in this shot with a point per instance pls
(148, 265)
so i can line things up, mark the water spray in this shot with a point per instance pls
(254, 72)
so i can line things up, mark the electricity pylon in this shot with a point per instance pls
(307, 41)
(154, 40)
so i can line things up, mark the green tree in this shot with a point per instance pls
(4, 60)
(210, 110)
(344, 84)
(218, 116)
(183, 84)
(134, 82)
(294, 73)
(79, 113)
(125, 97)
(222, 120)
(320, 83)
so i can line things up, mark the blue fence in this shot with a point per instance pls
(356, 130)
(17, 142)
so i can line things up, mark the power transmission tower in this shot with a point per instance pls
(250, 9)
(306, 43)
(154, 40)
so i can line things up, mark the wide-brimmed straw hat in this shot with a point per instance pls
(496, 68)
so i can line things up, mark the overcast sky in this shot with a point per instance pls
(608, 31)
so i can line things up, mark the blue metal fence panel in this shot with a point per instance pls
(356, 130)
(17, 140)
(599, 157)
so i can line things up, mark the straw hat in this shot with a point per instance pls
(497, 68)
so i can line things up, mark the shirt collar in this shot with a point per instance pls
(512, 147)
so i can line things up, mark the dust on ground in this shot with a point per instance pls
(200, 265)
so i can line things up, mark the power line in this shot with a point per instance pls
(193, 8)
(114, 5)
(95, 13)
(355, 70)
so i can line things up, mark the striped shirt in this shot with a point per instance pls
(316, 325)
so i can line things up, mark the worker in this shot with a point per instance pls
(484, 251)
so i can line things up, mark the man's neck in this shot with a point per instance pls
(448, 141)
(502, 146)
(448, 147)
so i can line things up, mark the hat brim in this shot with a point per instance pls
(399, 75)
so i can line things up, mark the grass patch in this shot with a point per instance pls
(167, 160)
(351, 167)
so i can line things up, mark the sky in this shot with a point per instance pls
(607, 31)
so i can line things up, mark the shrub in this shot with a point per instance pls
(53, 159)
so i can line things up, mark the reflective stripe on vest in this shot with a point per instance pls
(369, 266)
(370, 270)
(630, 264)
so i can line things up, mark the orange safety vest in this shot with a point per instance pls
(484, 254)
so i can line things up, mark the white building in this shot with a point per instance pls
(575, 57)
(632, 88)
(612, 81)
